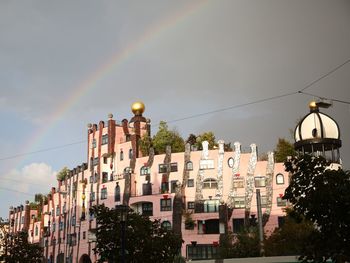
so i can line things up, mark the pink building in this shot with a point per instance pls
(201, 194)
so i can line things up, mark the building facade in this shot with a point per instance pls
(200, 194)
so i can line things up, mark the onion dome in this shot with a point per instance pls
(317, 133)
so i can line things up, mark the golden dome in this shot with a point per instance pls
(138, 108)
(313, 105)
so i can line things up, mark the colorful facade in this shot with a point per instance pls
(200, 194)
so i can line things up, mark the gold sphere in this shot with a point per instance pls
(138, 108)
(313, 105)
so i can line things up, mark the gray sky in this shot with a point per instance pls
(180, 57)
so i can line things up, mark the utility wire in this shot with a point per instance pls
(42, 150)
(320, 97)
(206, 113)
(325, 75)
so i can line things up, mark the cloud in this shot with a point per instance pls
(31, 179)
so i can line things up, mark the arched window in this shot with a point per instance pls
(130, 154)
(189, 166)
(121, 155)
(117, 193)
(279, 179)
(166, 225)
(210, 183)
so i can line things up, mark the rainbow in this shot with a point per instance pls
(115, 61)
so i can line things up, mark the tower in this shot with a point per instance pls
(318, 134)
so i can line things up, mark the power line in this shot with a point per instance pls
(206, 113)
(233, 107)
(41, 150)
(332, 99)
(325, 75)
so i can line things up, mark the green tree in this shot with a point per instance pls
(19, 250)
(146, 240)
(241, 245)
(145, 144)
(206, 136)
(165, 137)
(283, 149)
(291, 238)
(322, 195)
(61, 175)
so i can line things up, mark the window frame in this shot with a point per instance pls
(104, 193)
(260, 181)
(281, 176)
(239, 202)
(165, 204)
(210, 183)
(189, 166)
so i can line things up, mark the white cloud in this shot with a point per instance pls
(31, 179)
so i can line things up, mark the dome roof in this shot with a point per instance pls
(317, 128)
(316, 125)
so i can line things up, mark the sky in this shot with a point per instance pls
(64, 64)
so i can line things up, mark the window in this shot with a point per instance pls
(210, 184)
(53, 227)
(84, 234)
(239, 202)
(104, 177)
(103, 193)
(279, 179)
(263, 200)
(73, 221)
(166, 225)
(130, 153)
(211, 206)
(95, 161)
(173, 167)
(61, 225)
(165, 204)
(238, 183)
(92, 196)
(189, 166)
(281, 202)
(190, 183)
(162, 168)
(22, 220)
(238, 225)
(173, 185)
(105, 159)
(165, 187)
(260, 181)
(117, 193)
(121, 155)
(145, 170)
(202, 251)
(93, 143)
(147, 209)
(206, 164)
(147, 189)
(104, 139)
(190, 205)
(58, 210)
(36, 230)
(91, 179)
